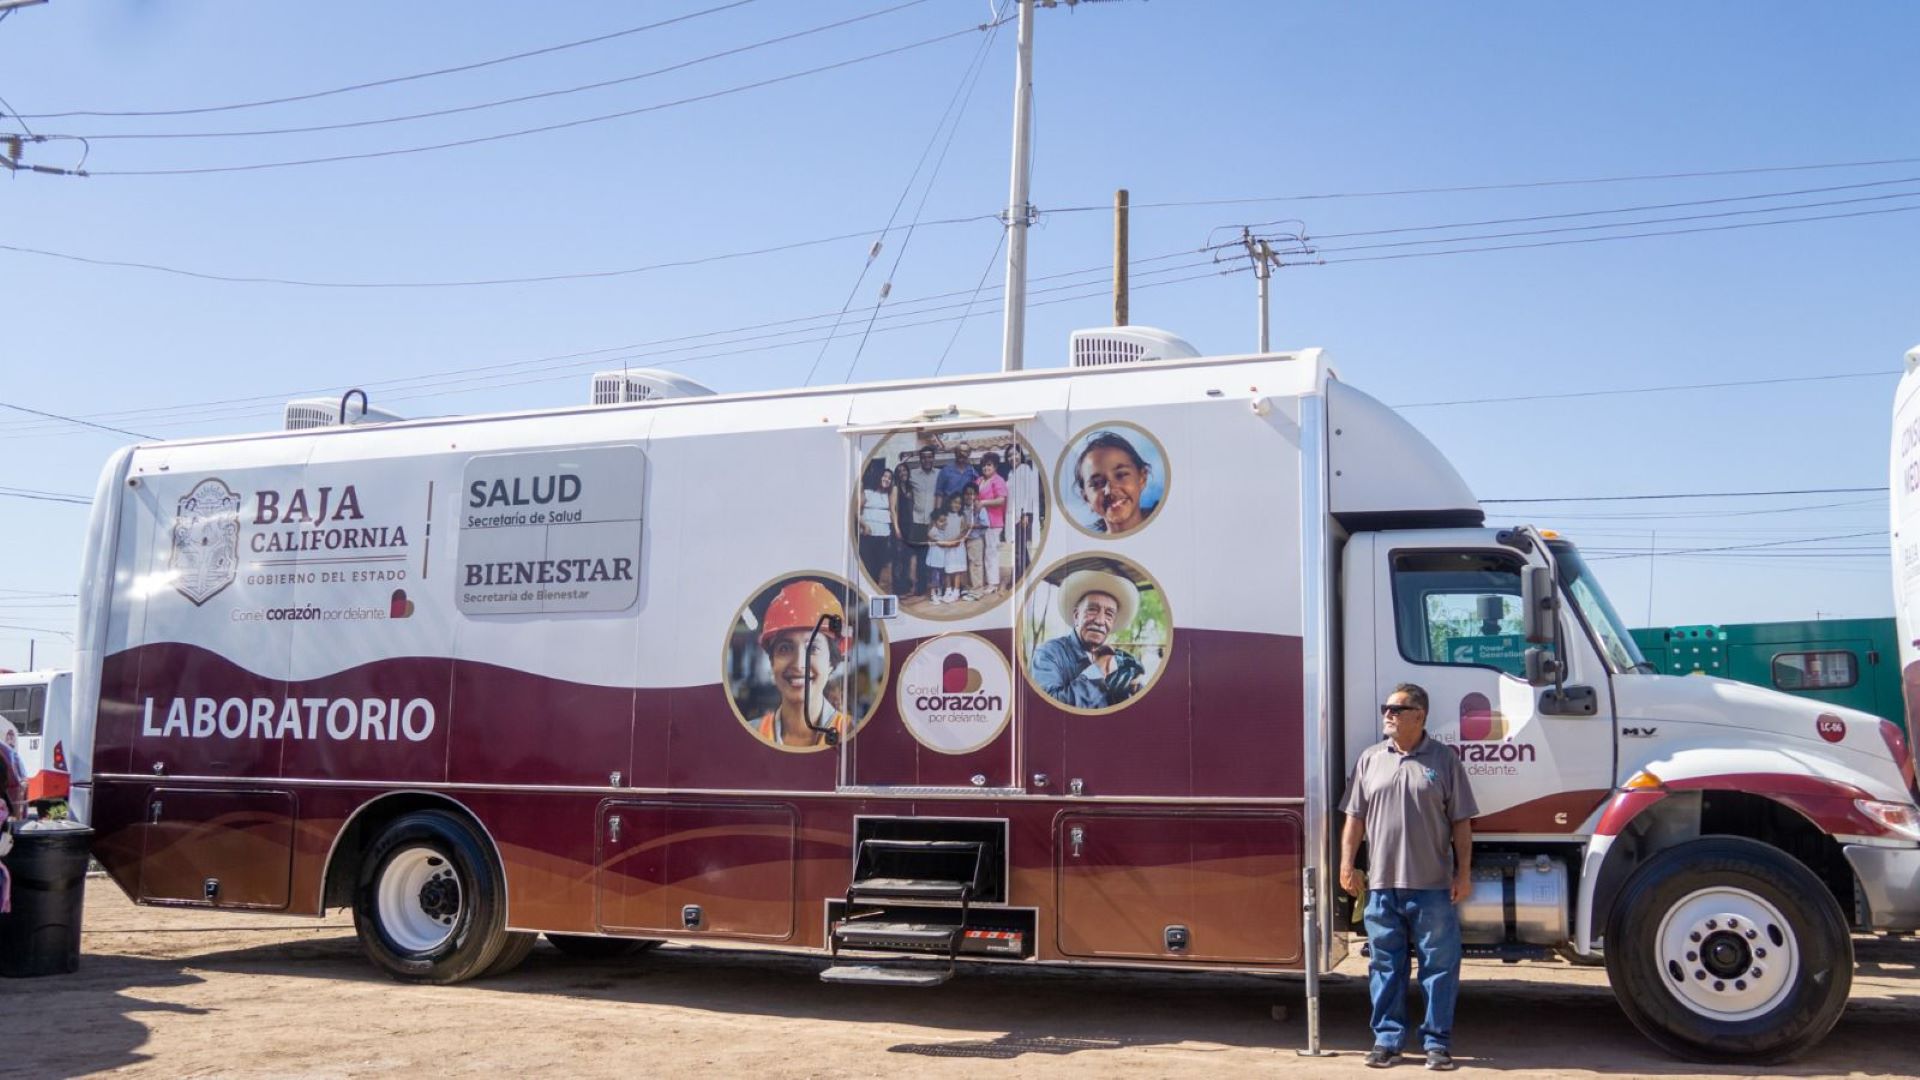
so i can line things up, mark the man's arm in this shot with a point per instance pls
(1462, 859)
(1351, 879)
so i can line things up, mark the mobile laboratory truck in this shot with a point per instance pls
(629, 673)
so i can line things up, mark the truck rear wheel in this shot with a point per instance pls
(589, 947)
(1726, 949)
(429, 905)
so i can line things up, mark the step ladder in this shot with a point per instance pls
(906, 897)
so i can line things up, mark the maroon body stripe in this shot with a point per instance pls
(719, 828)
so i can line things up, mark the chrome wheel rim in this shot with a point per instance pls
(1727, 954)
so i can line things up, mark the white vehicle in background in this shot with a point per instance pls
(39, 705)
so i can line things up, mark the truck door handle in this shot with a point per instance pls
(1076, 838)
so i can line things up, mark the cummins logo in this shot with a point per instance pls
(206, 540)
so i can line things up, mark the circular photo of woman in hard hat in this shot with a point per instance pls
(804, 666)
(1095, 633)
(1112, 480)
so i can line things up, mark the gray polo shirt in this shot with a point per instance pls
(1409, 803)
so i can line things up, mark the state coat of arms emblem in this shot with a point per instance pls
(206, 540)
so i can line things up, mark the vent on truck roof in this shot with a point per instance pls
(317, 412)
(643, 384)
(1111, 345)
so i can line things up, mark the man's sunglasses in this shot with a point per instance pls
(1396, 710)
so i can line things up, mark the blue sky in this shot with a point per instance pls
(1179, 102)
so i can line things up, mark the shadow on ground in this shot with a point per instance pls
(1504, 1023)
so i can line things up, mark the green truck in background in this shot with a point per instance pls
(1849, 662)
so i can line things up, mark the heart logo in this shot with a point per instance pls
(956, 677)
(399, 607)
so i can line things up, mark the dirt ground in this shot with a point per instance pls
(189, 993)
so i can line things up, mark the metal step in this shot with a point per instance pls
(902, 936)
(868, 890)
(886, 974)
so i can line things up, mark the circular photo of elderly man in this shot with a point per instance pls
(948, 520)
(1095, 633)
(1112, 479)
(804, 667)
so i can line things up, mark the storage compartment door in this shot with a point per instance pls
(1212, 887)
(734, 864)
(217, 848)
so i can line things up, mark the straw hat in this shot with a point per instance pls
(1081, 582)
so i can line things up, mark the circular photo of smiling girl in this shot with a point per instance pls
(803, 666)
(1112, 479)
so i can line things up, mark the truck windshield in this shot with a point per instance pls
(1578, 580)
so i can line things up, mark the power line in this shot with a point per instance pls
(675, 264)
(1733, 384)
(1510, 186)
(72, 420)
(396, 79)
(1693, 495)
(1603, 239)
(522, 99)
(543, 128)
(44, 496)
(789, 341)
(1738, 547)
(1854, 506)
(1623, 224)
(602, 355)
(968, 83)
(1598, 213)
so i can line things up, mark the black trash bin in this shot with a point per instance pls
(48, 865)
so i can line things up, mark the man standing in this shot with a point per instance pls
(1083, 669)
(954, 478)
(1409, 798)
(921, 478)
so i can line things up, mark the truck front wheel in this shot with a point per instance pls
(1727, 949)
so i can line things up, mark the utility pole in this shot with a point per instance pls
(1120, 257)
(1265, 260)
(1261, 252)
(1019, 210)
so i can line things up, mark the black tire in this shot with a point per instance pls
(512, 954)
(1693, 881)
(444, 916)
(589, 947)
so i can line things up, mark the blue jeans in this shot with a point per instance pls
(1398, 922)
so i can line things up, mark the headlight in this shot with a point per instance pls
(1901, 819)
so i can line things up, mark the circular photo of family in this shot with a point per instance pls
(1112, 479)
(1095, 634)
(949, 520)
(804, 666)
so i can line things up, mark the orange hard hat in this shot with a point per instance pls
(799, 606)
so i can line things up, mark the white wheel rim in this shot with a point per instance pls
(1727, 954)
(419, 899)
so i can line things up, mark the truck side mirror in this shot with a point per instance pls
(1543, 668)
(1540, 606)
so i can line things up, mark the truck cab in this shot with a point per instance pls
(1719, 839)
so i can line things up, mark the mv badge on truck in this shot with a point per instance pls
(206, 540)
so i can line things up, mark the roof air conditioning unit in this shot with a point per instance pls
(643, 384)
(1111, 345)
(319, 412)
